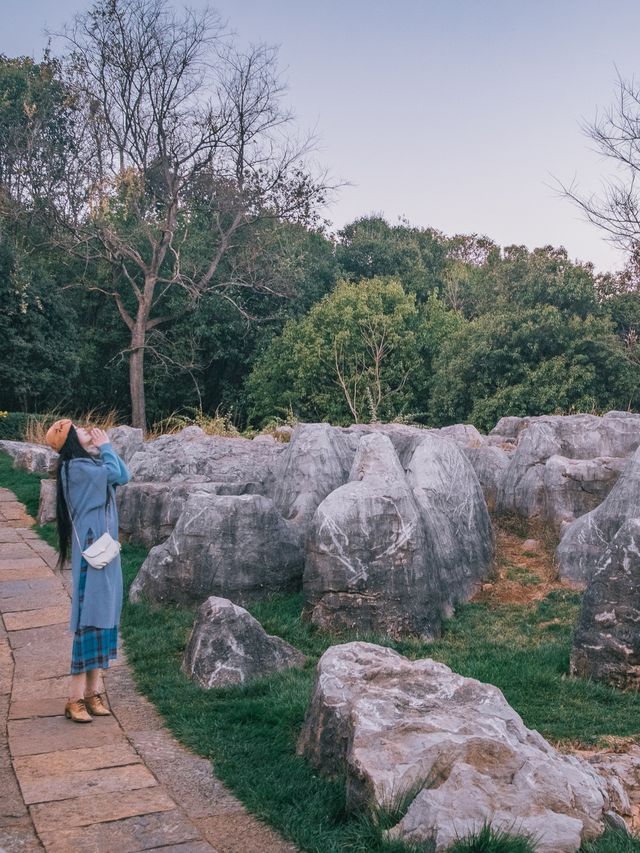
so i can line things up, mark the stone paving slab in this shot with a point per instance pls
(44, 789)
(121, 783)
(47, 734)
(129, 834)
(101, 808)
(41, 634)
(9, 534)
(49, 615)
(70, 761)
(45, 688)
(20, 837)
(33, 599)
(37, 707)
(6, 667)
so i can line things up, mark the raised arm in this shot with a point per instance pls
(117, 472)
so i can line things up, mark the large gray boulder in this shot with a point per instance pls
(193, 455)
(48, 498)
(228, 646)
(454, 516)
(365, 565)
(148, 512)
(126, 441)
(606, 645)
(573, 487)
(585, 540)
(392, 551)
(490, 463)
(317, 460)
(393, 725)
(235, 546)
(35, 458)
(524, 487)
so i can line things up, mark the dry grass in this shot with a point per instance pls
(216, 424)
(37, 427)
(521, 576)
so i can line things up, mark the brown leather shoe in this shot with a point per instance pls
(76, 710)
(96, 706)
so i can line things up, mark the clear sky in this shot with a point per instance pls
(455, 114)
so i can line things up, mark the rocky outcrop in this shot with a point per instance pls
(585, 540)
(47, 503)
(606, 645)
(573, 487)
(35, 458)
(365, 568)
(193, 455)
(126, 441)
(393, 725)
(454, 515)
(545, 478)
(228, 646)
(316, 461)
(148, 512)
(489, 463)
(391, 551)
(235, 546)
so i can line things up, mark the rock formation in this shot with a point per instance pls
(228, 646)
(606, 645)
(236, 546)
(394, 726)
(585, 540)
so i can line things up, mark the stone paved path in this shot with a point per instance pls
(120, 783)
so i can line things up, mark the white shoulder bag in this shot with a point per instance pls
(105, 549)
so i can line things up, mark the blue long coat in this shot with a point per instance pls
(90, 482)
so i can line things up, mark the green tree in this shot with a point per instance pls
(370, 247)
(361, 353)
(530, 361)
(40, 360)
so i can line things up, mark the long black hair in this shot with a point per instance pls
(71, 449)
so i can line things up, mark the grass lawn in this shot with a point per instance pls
(250, 732)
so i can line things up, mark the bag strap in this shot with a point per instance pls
(107, 506)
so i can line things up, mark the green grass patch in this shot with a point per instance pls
(250, 732)
(25, 486)
(522, 575)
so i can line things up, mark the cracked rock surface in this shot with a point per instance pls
(395, 725)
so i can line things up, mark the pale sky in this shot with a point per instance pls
(455, 114)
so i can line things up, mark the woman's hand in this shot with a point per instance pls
(99, 437)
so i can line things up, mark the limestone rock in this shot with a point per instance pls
(47, 504)
(574, 487)
(556, 490)
(126, 441)
(228, 646)
(489, 463)
(393, 725)
(392, 552)
(236, 546)
(148, 512)
(35, 458)
(365, 567)
(606, 646)
(193, 455)
(584, 541)
(316, 461)
(455, 518)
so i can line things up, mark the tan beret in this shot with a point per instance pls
(57, 434)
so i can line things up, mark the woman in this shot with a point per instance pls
(89, 470)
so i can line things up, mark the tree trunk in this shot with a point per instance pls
(136, 379)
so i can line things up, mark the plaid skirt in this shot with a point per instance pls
(92, 647)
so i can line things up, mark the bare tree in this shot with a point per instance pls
(616, 135)
(182, 149)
